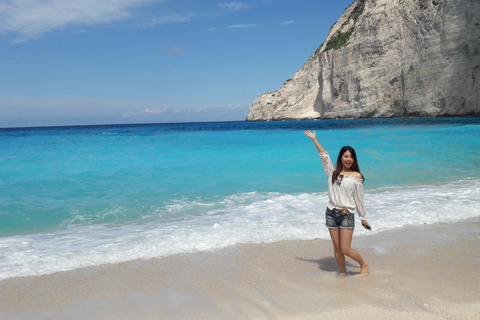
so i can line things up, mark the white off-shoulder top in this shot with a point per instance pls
(348, 194)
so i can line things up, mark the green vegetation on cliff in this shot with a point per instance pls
(340, 38)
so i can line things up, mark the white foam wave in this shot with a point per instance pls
(245, 218)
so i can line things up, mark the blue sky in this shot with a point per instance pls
(75, 62)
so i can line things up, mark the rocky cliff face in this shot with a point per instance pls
(387, 58)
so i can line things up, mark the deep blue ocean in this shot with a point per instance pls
(72, 197)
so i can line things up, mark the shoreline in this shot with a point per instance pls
(424, 271)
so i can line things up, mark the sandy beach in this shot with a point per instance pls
(422, 272)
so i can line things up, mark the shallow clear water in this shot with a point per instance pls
(79, 196)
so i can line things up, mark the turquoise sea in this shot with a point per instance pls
(72, 197)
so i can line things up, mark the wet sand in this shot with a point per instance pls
(422, 272)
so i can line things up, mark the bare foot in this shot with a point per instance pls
(342, 274)
(364, 271)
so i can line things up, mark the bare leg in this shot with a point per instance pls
(339, 256)
(346, 249)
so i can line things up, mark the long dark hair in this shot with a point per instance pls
(339, 166)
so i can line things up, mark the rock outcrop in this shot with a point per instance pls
(387, 58)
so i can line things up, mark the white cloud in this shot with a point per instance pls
(289, 22)
(154, 111)
(233, 5)
(206, 113)
(24, 112)
(147, 111)
(219, 108)
(32, 18)
(243, 26)
(172, 50)
(173, 18)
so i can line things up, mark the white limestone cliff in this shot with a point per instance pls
(387, 58)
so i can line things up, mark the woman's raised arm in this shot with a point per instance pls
(313, 136)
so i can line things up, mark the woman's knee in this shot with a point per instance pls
(344, 250)
(337, 248)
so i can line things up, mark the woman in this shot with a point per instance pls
(345, 196)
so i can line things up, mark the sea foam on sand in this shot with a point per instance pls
(422, 272)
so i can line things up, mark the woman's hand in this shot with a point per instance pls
(366, 225)
(311, 135)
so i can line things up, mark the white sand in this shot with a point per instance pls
(422, 272)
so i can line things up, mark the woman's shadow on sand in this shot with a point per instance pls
(326, 264)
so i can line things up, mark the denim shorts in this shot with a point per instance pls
(337, 218)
